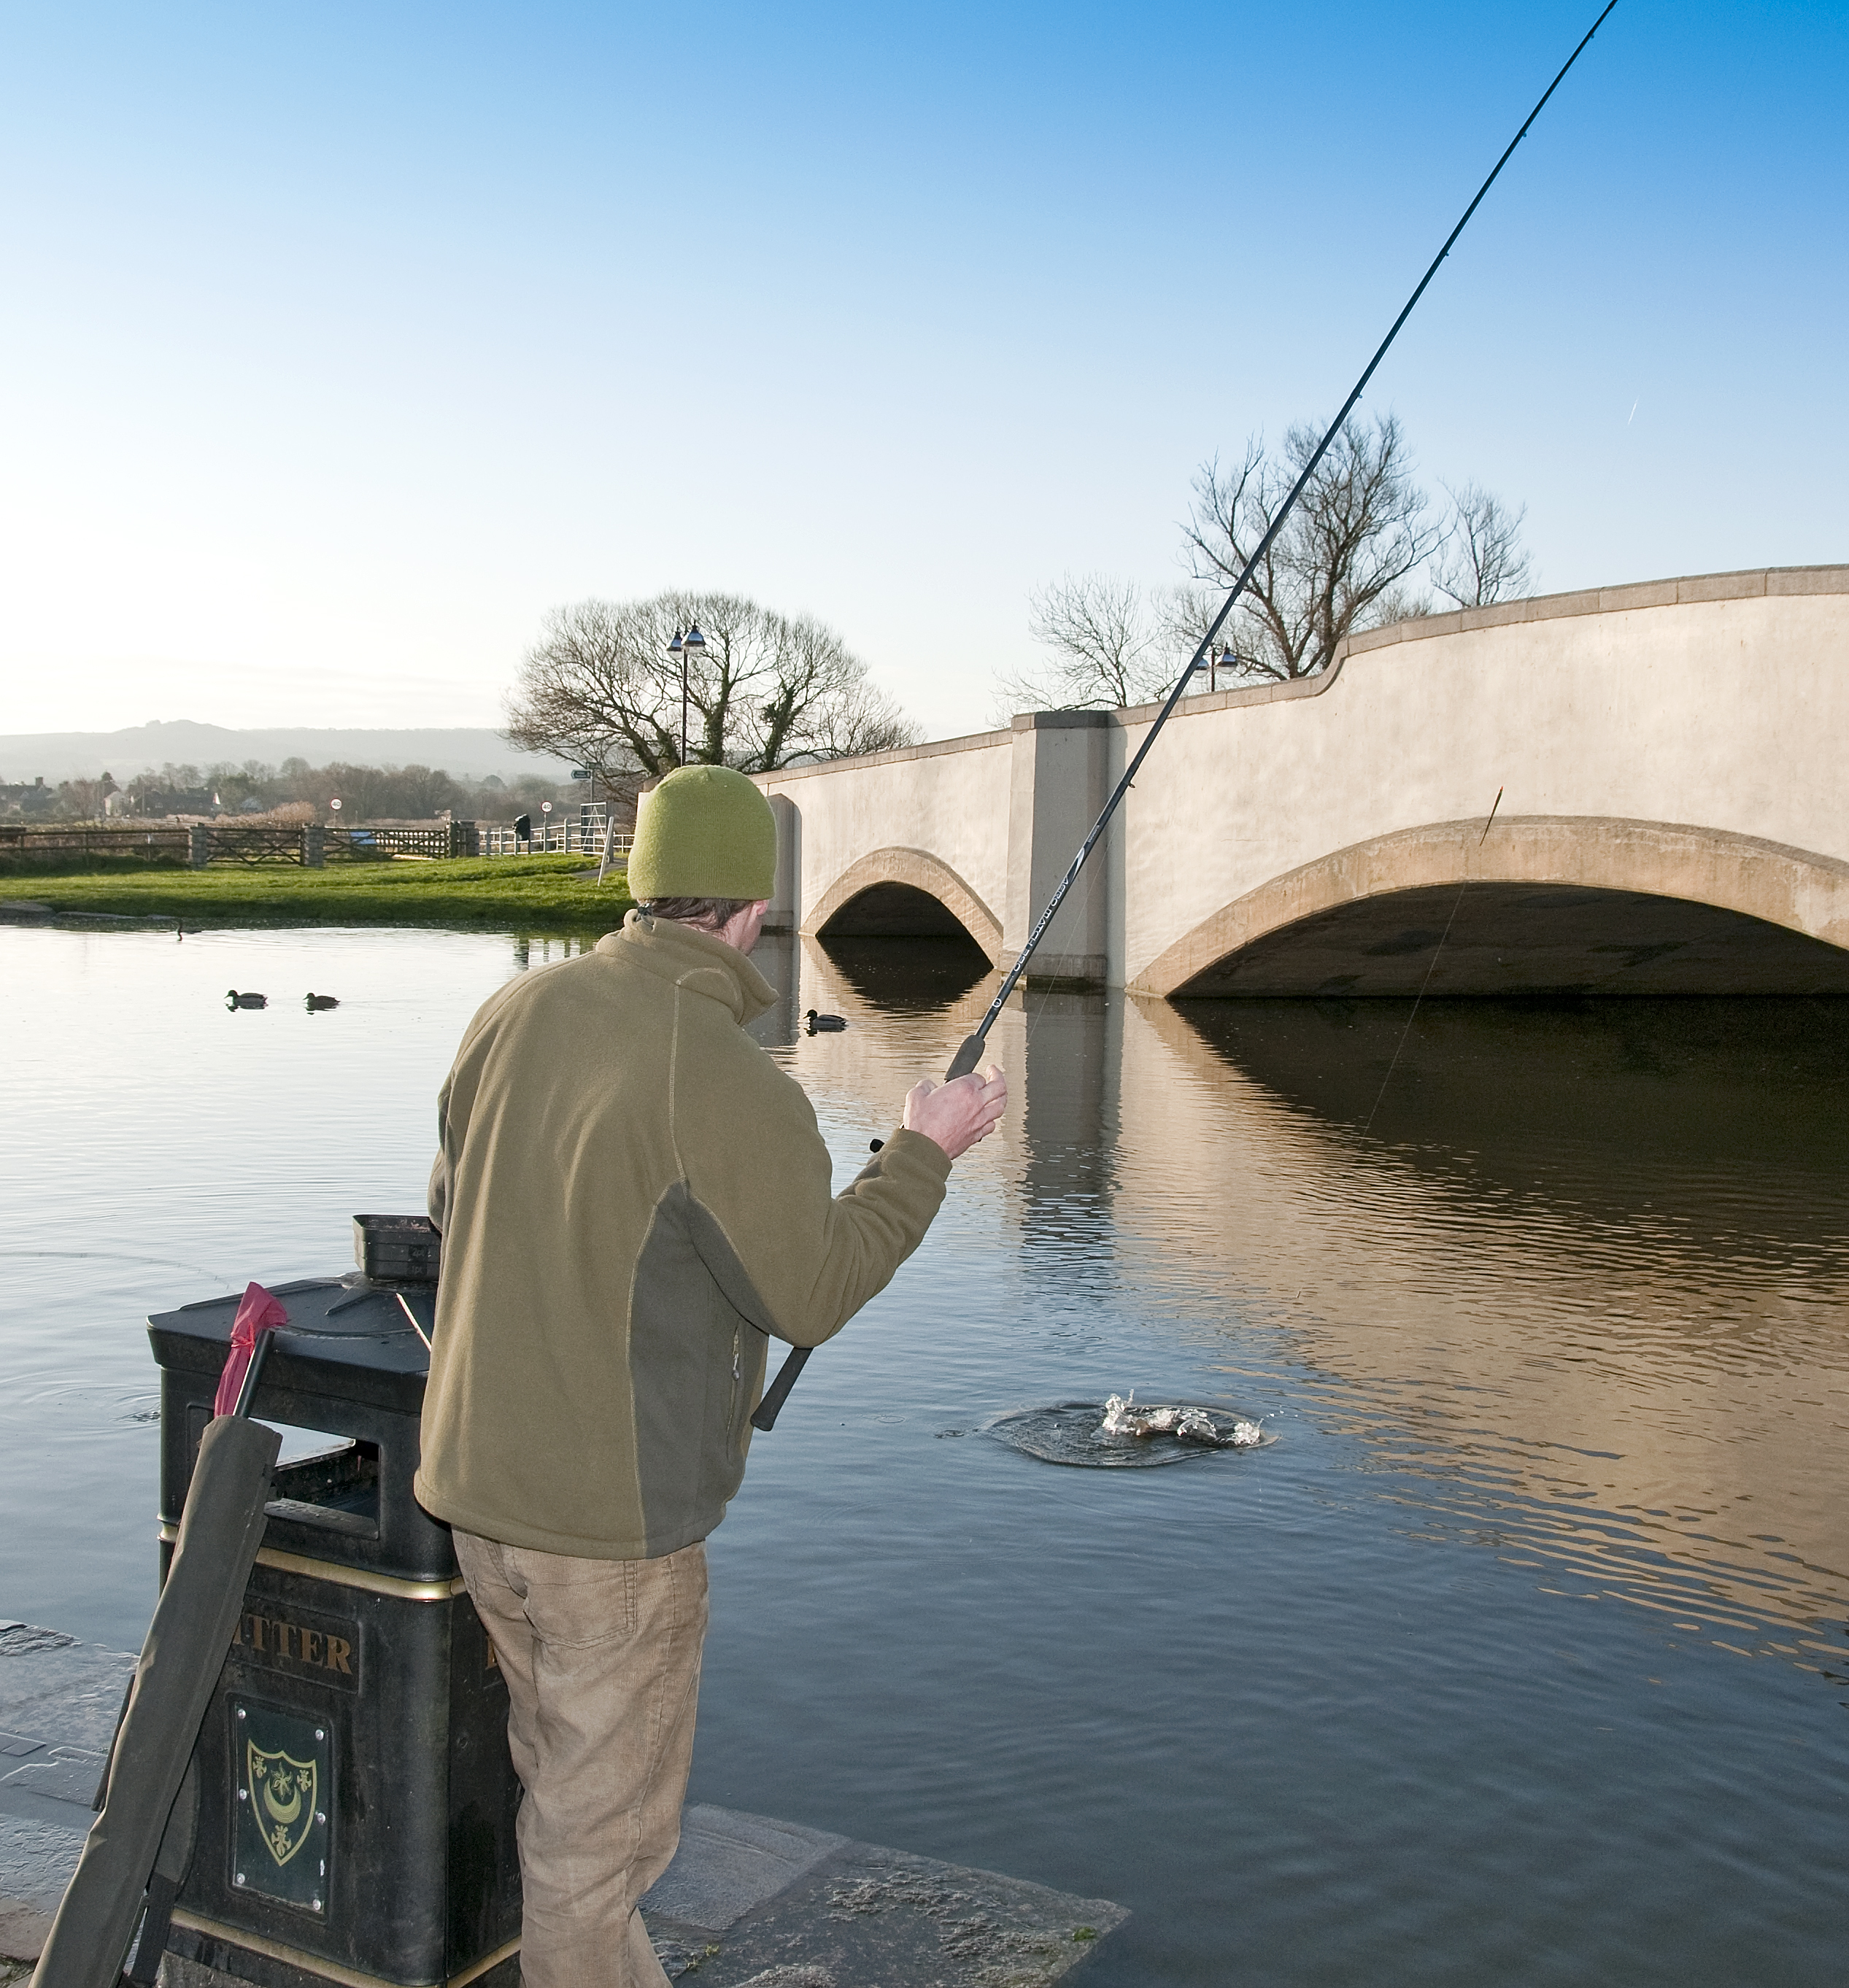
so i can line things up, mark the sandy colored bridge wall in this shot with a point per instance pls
(1687, 738)
(935, 816)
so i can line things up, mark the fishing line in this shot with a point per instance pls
(1430, 969)
(970, 1054)
(121, 1256)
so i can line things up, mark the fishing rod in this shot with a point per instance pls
(970, 1053)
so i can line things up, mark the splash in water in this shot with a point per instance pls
(1119, 1434)
(1122, 1417)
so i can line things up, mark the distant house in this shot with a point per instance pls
(36, 798)
(154, 802)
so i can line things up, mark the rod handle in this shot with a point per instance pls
(764, 1415)
(966, 1059)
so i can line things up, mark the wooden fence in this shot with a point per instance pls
(261, 843)
(23, 845)
(440, 839)
(209, 842)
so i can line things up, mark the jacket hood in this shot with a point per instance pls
(694, 960)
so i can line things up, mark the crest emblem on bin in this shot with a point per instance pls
(283, 1791)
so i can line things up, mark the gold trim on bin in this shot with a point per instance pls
(327, 1970)
(482, 1966)
(392, 1584)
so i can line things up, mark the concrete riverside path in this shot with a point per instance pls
(747, 1900)
(1671, 757)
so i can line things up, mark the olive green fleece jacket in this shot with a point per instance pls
(633, 1199)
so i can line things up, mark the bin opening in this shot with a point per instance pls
(332, 1484)
(301, 1446)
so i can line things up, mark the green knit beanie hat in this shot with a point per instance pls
(705, 832)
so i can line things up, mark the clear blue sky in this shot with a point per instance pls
(340, 343)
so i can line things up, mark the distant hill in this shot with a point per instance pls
(469, 752)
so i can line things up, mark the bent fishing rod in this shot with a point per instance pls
(970, 1053)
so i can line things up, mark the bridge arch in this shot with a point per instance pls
(904, 890)
(1554, 904)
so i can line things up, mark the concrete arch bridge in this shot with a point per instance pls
(1674, 764)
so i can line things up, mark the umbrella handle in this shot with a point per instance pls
(258, 1352)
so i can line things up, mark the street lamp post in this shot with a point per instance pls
(682, 646)
(1214, 664)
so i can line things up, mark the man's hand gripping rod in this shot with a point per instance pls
(970, 1054)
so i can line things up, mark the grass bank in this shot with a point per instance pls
(528, 893)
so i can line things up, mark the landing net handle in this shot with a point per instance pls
(969, 1054)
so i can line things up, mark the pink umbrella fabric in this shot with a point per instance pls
(258, 1312)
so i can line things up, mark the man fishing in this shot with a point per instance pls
(633, 1199)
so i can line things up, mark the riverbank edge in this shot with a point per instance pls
(526, 893)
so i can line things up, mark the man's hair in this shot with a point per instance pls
(709, 913)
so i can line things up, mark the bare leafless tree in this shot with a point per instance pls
(1353, 554)
(601, 687)
(857, 718)
(1485, 560)
(1112, 644)
(1342, 561)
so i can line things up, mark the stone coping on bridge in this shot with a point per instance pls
(973, 742)
(1686, 591)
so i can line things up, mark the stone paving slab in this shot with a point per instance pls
(865, 1917)
(58, 1701)
(730, 1863)
(36, 1860)
(54, 1689)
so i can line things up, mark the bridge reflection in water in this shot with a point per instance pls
(1581, 1292)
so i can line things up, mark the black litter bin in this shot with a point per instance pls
(357, 1800)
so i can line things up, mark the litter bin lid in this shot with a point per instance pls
(345, 1336)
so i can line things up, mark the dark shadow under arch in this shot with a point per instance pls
(1525, 938)
(1539, 905)
(904, 893)
(895, 910)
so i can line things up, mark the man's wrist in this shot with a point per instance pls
(908, 1139)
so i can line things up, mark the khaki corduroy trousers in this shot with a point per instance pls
(601, 1659)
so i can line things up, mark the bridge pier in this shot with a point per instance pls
(1059, 776)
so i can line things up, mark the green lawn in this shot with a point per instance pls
(526, 893)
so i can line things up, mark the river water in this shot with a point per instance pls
(1522, 1655)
